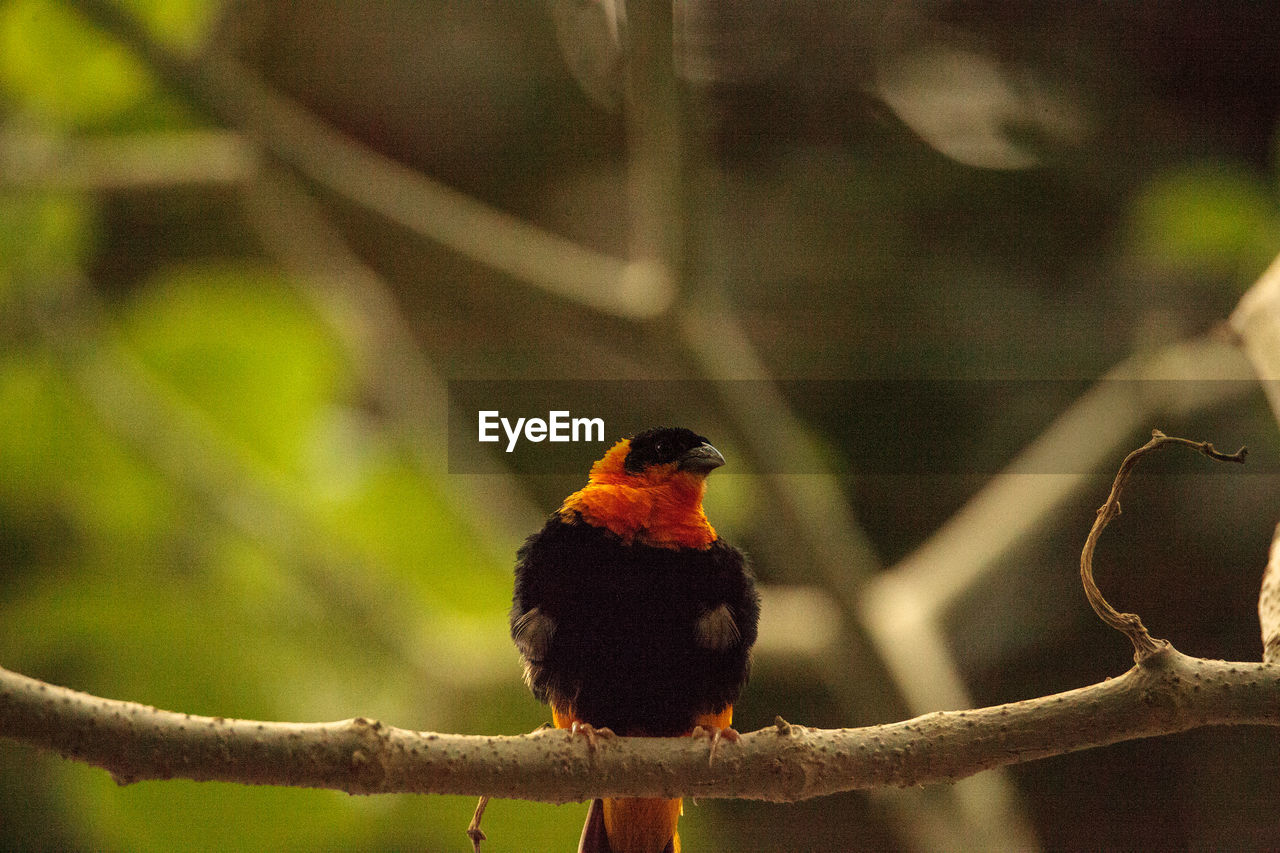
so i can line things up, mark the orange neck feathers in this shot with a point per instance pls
(659, 506)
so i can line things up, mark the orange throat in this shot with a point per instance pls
(660, 506)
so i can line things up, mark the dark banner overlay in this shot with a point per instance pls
(921, 427)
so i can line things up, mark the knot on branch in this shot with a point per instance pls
(368, 755)
(1130, 624)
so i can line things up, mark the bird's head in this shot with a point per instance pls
(651, 485)
(658, 457)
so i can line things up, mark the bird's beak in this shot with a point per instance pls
(702, 459)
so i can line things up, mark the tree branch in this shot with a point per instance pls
(1166, 692)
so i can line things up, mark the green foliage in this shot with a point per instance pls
(126, 584)
(241, 348)
(58, 68)
(122, 581)
(182, 24)
(42, 235)
(61, 70)
(264, 818)
(1215, 219)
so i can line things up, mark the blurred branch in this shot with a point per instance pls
(814, 510)
(1269, 604)
(227, 90)
(982, 812)
(361, 309)
(32, 159)
(1166, 692)
(1183, 378)
(658, 161)
(668, 173)
(185, 447)
(1256, 321)
(903, 608)
(662, 180)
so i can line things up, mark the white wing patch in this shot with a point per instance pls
(532, 632)
(716, 629)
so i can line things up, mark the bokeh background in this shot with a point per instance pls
(925, 272)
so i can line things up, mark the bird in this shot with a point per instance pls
(632, 615)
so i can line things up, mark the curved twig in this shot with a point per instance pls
(1130, 624)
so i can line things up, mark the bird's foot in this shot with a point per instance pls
(590, 732)
(716, 734)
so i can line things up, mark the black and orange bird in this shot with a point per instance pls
(631, 614)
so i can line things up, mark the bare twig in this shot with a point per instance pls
(1129, 623)
(474, 832)
(1166, 692)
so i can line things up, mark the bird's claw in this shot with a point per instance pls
(590, 732)
(716, 734)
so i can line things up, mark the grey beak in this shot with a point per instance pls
(703, 458)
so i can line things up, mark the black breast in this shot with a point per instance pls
(625, 651)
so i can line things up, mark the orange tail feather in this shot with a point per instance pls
(634, 824)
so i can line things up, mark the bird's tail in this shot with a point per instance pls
(631, 825)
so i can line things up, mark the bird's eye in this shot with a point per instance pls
(660, 449)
